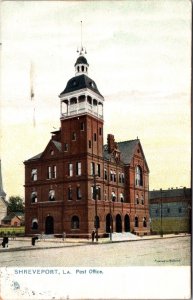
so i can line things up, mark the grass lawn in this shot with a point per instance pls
(12, 230)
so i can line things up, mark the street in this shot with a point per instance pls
(174, 251)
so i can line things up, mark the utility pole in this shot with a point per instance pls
(95, 194)
(161, 231)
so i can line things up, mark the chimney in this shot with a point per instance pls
(110, 142)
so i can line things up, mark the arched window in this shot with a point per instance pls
(82, 68)
(113, 196)
(138, 176)
(75, 222)
(144, 222)
(121, 197)
(51, 195)
(34, 224)
(34, 197)
(136, 222)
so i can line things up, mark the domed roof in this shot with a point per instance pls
(81, 60)
(80, 82)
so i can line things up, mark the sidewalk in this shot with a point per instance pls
(24, 243)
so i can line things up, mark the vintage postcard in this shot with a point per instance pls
(95, 150)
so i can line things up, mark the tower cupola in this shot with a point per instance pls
(81, 65)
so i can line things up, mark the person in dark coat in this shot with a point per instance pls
(93, 235)
(5, 241)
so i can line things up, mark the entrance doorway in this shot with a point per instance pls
(118, 223)
(127, 223)
(109, 222)
(49, 226)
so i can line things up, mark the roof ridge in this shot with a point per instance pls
(128, 141)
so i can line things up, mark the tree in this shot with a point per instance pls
(15, 204)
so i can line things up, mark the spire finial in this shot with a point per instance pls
(82, 49)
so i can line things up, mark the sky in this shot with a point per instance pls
(139, 55)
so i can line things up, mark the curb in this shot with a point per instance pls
(79, 244)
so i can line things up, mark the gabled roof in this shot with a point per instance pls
(127, 149)
(19, 215)
(57, 144)
(80, 82)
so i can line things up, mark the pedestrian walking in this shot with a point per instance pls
(5, 241)
(93, 235)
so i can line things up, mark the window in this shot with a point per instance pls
(142, 200)
(78, 168)
(180, 210)
(92, 192)
(121, 197)
(105, 195)
(34, 174)
(69, 193)
(98, 192)
(65, 147)
(78, 193)
(120, 178)
(115, 177)
(156, 212)
(138, 176)
(144, 222)
(89, 144)
(49, 172)
(137, 199)
(113, 196)
(52, 152)
(136, 222)
(100, 131)
(92, 166)
(82, 126)
(168, 210)
(105, 174)
(95, 137)
(75, 222)
(51, 195)
(123, 177)
(99, 170)
(34, 224)
(34, 198)
(70, 169)
(74, 136)
(54, 172)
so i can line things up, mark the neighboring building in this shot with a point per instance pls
(3, 202)
(13, 219)
(170, 210)
(60, 184)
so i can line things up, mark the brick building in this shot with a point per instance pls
(78, 183)
(170, 210)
